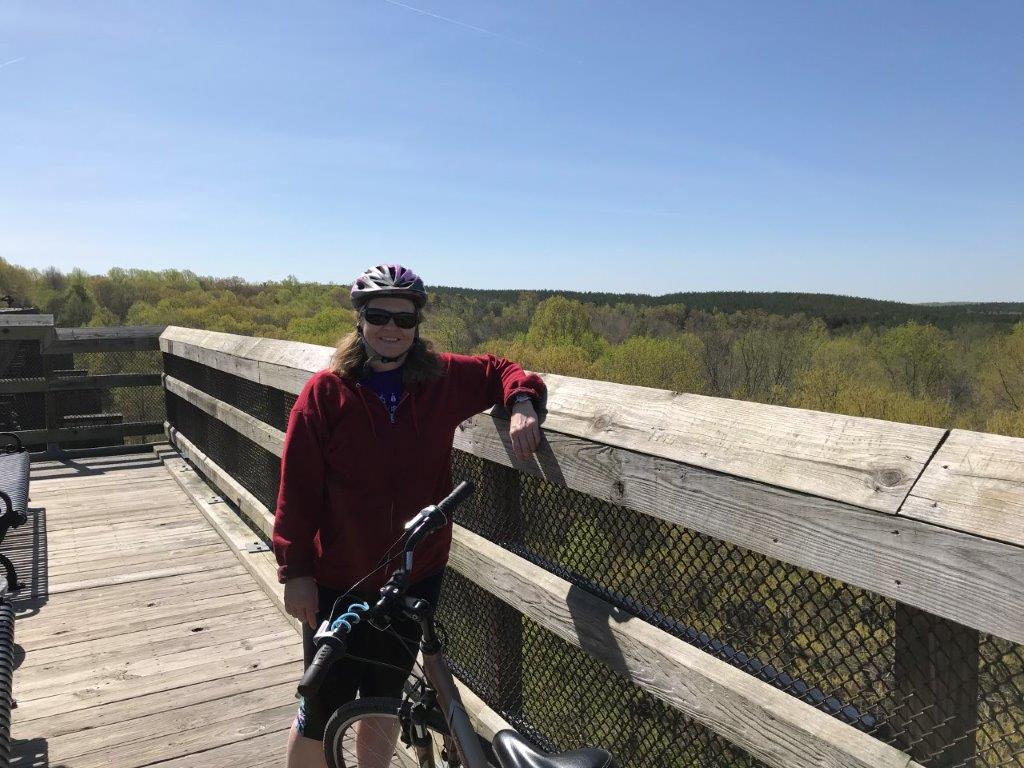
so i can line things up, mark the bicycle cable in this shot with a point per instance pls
(382, 664)
(386, 558)
(415, 656)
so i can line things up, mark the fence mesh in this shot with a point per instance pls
(255, 468)
(948, 695)
(118, 405)
(122, 361)
(265, 403)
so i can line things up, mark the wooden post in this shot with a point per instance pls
(501, 489)
(52, 418)
(936, 674)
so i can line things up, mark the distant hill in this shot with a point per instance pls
(835, 310)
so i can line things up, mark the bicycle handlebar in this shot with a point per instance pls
(330, 639)
(431, 518)
(458, 495)
(314, 675)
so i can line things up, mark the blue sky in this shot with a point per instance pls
(866, 148)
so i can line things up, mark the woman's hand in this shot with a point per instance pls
(524, 430)
(300, 599)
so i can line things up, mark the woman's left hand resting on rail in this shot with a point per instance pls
(524, 429)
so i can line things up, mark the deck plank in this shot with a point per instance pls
(251, 753)
(117, 713)
(145, 639)
(126, 621)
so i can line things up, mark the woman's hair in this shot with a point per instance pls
(421, 364)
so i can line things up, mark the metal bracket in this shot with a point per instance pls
(257, 546)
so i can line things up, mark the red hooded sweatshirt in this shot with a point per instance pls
(350, 478)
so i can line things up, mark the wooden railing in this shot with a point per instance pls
(55, 380)
(931, 518)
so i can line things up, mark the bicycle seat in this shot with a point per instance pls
(513, 751)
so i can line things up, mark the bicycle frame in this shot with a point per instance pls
(439, 675)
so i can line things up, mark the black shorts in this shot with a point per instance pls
(348, 677)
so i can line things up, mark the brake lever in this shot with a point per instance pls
(420, 517)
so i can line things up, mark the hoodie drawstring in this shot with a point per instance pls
(415, 421)
(373, 427)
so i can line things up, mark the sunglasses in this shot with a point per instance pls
(375, 316)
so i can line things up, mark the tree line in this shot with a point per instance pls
(943, 365)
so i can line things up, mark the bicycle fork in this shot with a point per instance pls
(465, 745)
(423, 747)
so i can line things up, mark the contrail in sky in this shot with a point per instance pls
(12, 61)
(460, 23)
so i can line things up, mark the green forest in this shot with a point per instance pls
(945, 365)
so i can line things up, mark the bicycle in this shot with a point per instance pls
(428, 727)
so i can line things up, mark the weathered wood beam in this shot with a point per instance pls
(81, 434)
(25, 320)
(106, 381)
(277, 363)
(16, 327)
(21, 386)
(54, 340)
(261, 433)
(95, 381)
(106, 332)
(975, 483)
(106, 339)
(866, 462)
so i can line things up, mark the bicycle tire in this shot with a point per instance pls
(339, 741)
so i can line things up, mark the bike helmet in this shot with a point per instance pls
(388, 280)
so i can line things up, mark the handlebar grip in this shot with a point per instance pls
(316, 671)
(456, 497)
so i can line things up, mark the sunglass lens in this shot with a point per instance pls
(405, 320)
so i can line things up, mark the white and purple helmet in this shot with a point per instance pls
(388, 280)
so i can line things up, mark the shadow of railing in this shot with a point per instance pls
(27, 549)
(31, 753)
(69, 467)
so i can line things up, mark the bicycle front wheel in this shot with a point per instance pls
(366, 733)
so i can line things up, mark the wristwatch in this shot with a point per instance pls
(522, 397)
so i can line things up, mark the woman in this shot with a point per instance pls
(368, 445)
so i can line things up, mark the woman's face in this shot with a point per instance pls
(389, 340)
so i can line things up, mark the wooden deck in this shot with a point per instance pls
(144, 639)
